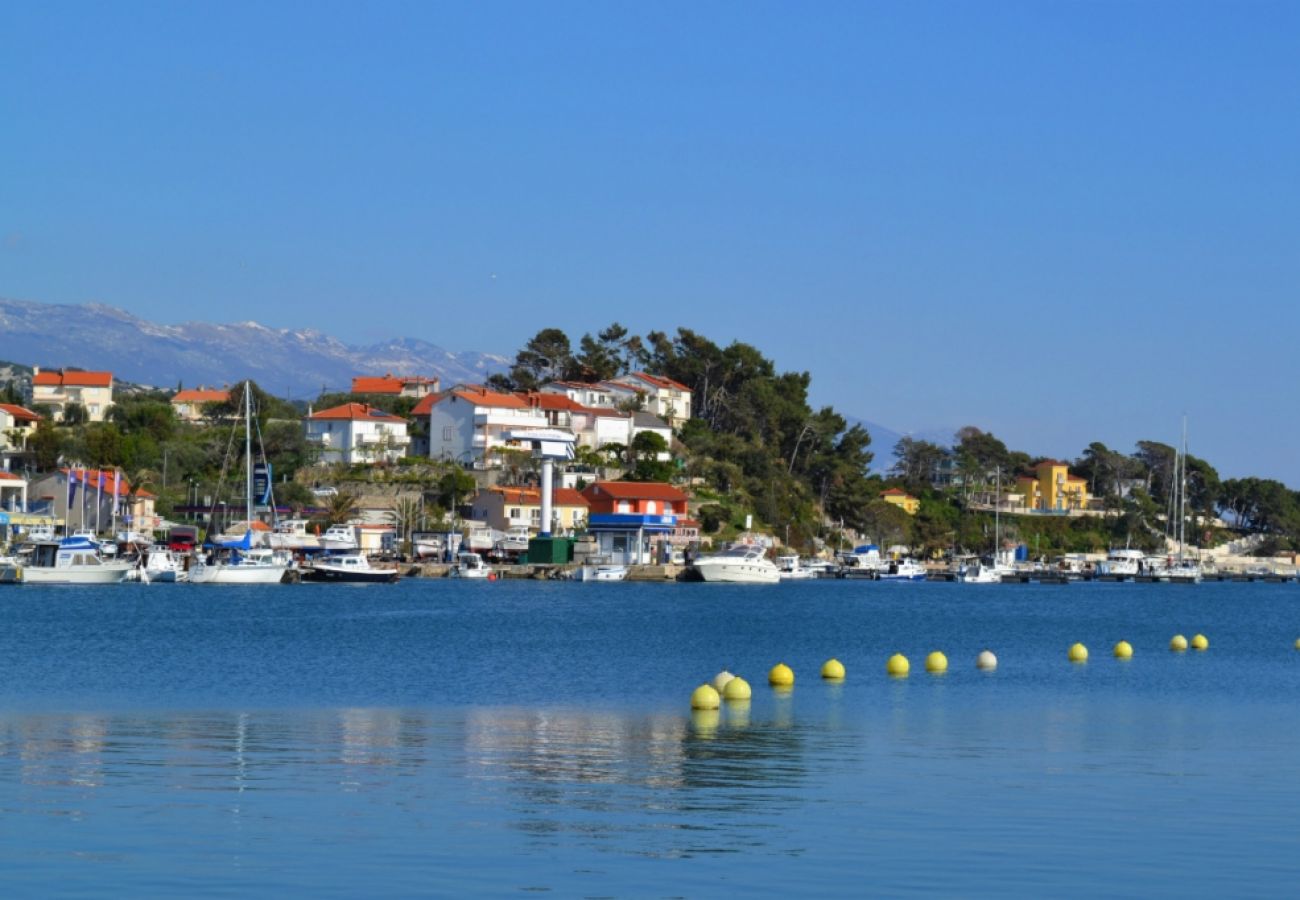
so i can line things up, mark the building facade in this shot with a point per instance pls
(415, 386)
(188, 404)
(61, 388)
(470, 423)
(1051, 488)
(504, 508)
(632, 520)
(356, 433)
(16, 426)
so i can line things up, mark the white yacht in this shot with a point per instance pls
(240, 566)
(469, 565)
(906, 569)
(339, 539)
(863, 562)
(601, 572)
(742, 564)
(1121, 564)
(73, 560)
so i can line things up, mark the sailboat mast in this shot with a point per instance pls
(1182, 496)
(248, 453)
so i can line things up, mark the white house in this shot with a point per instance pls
(16, 425)
(59, 389)
(13, 492)
(644, 421)
(668, 399)
(600, 395)
(357, 433)
(469, 422)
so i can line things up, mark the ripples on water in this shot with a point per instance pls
(434, 738)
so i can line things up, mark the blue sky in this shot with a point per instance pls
(1061, 222)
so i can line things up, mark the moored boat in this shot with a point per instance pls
(742, 564)
(73, 560)
(352, 568)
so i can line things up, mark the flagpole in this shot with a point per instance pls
(99, 497)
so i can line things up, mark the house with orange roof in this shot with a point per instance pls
(668, 399)
(61, 388)
(470, 423)
(356, 433)
(16, 425)
(1051, 488)
(902, 499)
(13, 495)
(188, 404)
(633, 520)
(504, 508)
(94, 499)
(388, 384)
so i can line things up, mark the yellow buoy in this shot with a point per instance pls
(833, 670)
(780, 676)
(936, 663)
(720, 680)
(1200, 642)
(705, 722)
(1123, 650)
(705, 697)
(1078, 653)
(898, 666)
(986, 661)
(1297, 643)
(737, 689)
(1178, 643)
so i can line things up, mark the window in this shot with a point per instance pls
(448, 432)
(623, 507)
(651, 507)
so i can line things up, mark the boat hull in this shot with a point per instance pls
(741, 573)
(337, 576)
(601, 573)
(205, 574)
(91, 575)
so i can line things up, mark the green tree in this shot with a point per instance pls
(46, 445)
(74, 414)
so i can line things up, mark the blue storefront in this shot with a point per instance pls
(629, 538)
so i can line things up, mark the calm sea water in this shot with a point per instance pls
(440, 737)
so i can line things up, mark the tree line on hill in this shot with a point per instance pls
(755, 445)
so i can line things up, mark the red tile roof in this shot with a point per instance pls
(91, 479)
(19, 412)
(9, 476)
(895, 492)
(544, 400)
(472, 393)
(386, 384)
(78, 379)
(201, 395)
(659, 381)
(533, 497)
(634, 490)
(356, 412)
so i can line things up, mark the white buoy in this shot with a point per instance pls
(986, 661)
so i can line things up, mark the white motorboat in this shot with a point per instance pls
(469, 565)
(905, 569)
(979, 573)
(514, 542)
(601, 572)
(73, 560)
(339, 539)
(790, 568)
(163, 565)
(426, 546)
(742, 564)
(863, 562)
(352, 568)
(293, 535)
(1122, 564)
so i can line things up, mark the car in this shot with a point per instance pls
(325, 491)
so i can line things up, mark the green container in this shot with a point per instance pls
(550, 551)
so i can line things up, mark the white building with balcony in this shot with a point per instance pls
(17, 423)
(60, 389)
(663, 397)
(357, 433)
(469, 423)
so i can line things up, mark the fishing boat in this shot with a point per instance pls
(339, 539)
(72, 560)
(350, 568)
(905, 569)
(979, 573)
(789, 568)
(163, 565)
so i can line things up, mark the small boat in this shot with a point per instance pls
(601, 572)
(979, 573)
(789, 568)
(339, 539)
(1122, 564)
(426, 546)
(905, 569)
(352, 568)
(863, 562)
(293, 535)
(240, 566)
(470, 565)
(161, 564)
(73, 560)
(741, 564)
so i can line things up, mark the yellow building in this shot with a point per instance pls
(1052, 488)
(902, 499)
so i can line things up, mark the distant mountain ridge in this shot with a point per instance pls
(884, 439)
(296, 362)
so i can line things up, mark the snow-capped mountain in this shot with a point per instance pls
(288, 362)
